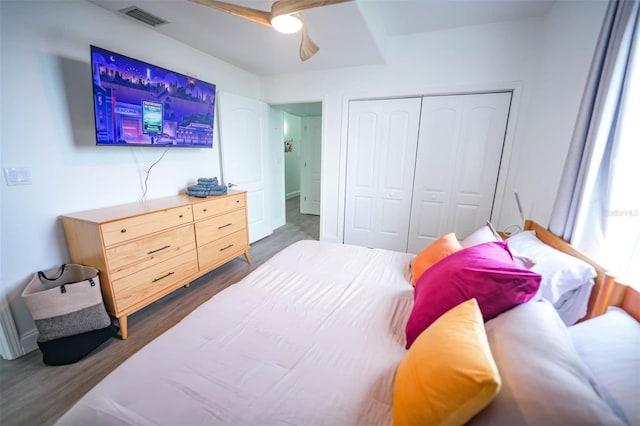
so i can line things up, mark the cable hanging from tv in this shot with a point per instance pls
(148, 171)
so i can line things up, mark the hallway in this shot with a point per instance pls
(300, 226)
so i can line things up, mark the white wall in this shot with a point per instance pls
(293, 131)
(565, 49)
(545, 60)
(46, 114)
(46, 126)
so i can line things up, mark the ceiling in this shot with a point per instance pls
(349, 34)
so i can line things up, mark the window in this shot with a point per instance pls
(620, 251)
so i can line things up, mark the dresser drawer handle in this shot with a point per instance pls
(227, 247)
(224, 226)
(157, 250)
(123, 230)
(204, 210)
(181, 216)
(163, 277)
(237, 201)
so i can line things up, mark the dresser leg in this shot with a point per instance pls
(123, 327)
(246, 256)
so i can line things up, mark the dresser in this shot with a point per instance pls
(147, 250)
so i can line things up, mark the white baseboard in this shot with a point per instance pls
(29, 341)
(10, 344)
(292, 195)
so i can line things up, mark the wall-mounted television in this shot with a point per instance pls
(139, 104)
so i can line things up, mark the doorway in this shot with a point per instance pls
(302, 141)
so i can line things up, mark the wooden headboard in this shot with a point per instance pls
(607, 291)
(615, 293)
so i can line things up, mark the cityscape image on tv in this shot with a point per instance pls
(139, 104)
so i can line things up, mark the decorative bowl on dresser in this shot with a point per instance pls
(148, 249)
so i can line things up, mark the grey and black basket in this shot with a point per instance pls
(66, 302)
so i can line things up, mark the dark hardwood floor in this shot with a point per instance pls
(32, 393)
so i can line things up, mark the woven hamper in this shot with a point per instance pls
(66, 302)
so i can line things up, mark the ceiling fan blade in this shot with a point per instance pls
(255, 15)
(284, 7)
(307, 47)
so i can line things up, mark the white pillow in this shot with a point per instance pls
(544, 382)
(609, 344)
(482, 235)
(488, 234)
(560, 272)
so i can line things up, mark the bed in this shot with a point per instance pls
(315, 336)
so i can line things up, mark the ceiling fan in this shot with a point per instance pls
(285, 16)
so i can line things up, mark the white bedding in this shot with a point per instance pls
(610, 346)
(311, 337)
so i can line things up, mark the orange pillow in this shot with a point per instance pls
(449, 374)
(439, 249)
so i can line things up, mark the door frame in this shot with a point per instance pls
(305, 173)
(501, 197)
(323, 124)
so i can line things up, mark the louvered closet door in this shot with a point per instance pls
(381, 149)
(458, 160)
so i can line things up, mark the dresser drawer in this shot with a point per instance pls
(210, 230)
(132, 257)
(136, 287)
(123, 230)
(217, 205)
(224, 248)
(146, 250)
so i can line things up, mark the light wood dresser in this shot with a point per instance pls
(146, 250)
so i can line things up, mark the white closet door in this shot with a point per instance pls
(243, 139)
(458, 160)
(310, 175)
(381, 150)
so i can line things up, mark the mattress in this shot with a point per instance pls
(313, 336)
(610, 347)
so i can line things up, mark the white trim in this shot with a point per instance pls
(293, 194)
(328, 169)
(323, 168)
(10, 344)
(342, 191)
(505, 165)
(29, 341)
(507, 156)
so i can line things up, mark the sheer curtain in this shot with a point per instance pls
(598, 204)
(619, 249)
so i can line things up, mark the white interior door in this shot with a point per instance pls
(243, 124)
(458, 160)
(310, 175)
(381, 150)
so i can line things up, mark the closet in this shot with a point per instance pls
(381, 152)
(420, 167)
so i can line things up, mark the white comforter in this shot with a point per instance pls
(311, 337)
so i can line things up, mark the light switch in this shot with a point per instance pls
(17, 176)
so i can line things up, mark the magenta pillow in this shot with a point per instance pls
(485, 271)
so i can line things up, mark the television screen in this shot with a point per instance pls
(139, 104)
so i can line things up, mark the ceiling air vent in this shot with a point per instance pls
(143, 16)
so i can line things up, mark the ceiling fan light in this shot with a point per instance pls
(286, 24)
